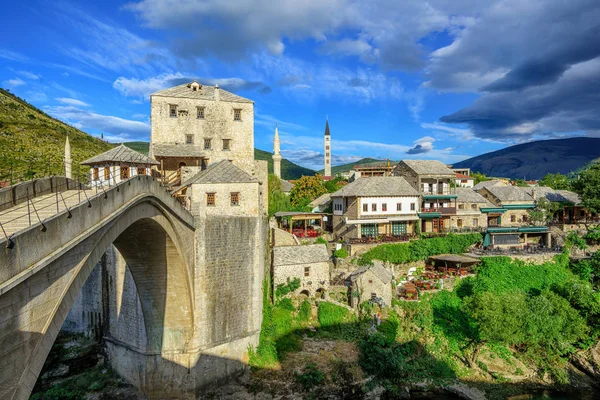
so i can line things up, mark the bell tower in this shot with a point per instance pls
(276, 154)
(327, 149)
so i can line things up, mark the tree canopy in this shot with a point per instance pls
(306, 189)
(556, 181)
(587, 185)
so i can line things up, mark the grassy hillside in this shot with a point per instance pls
(350, 166)
(289, 170)
(32, 142)
(536, 159)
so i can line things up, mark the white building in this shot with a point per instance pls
(464, 181)
(276, 154)
(375, 206)
(118, 164)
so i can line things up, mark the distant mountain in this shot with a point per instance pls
(32, 142)
(535, 159)
(338, 169)
(289, 170)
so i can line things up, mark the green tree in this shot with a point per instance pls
(556, 181)
(544, 211)
(587, 185)
(479, 177)
(306, 189)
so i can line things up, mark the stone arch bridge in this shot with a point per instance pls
(44, 265)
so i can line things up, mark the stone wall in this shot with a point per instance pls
(367, 284)
(283, 238)
(318, 276)
(86, 315)
(249, 199)
(217, 124)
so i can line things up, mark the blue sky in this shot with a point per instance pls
(412, 79)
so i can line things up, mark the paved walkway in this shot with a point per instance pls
(23, 215)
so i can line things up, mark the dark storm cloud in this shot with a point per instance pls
(418, 149)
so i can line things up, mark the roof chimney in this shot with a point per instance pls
(533, 194)
(217, 94)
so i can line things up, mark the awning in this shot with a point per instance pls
(518, 206)
(533, 229)
(503, 230)
(492, 210)
(439, 196)
(430, 215)
(382, 220)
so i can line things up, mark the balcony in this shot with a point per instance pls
(440, 210)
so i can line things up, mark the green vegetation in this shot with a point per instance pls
(306, 189)
(32, 142)
(556, 181)
(321, 240)
(341, 253)
(587, 185)
(289, 170)
(544, 211)
(335, 184)
(279, 201)
(140, 147)
(420, 249)
(310, 376)
(79, 386)
(478, 177)
(350, 166)
(290, 286)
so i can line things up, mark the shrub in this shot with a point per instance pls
(310, 376)
(321, 240)
(341, 253)
(304, 312)
(285, 288)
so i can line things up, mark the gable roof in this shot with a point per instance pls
(223, 171)
(511, 193)
(205, 92)
(468, 195)
(463, 176)
(378, 269)
(558, 196)
(285, 186)
(305, 254)
(429, 167)
(321, 200)
(177, 150)
(121, 154)
(377, 186)
(490, 183)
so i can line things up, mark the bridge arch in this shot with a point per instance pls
(154, 241)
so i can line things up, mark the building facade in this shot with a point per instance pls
(377, 206)
(195, 125)
(371, 282)
(308, 263)
(435, 183)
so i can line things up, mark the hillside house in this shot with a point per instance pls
(118, 164)
(468, 211)
(370, 282)
(508, 219)
(464, 181)
(321, 203)
(375, 207)
(309, 263)
(194, 125)
(375, 169)
(434, 181)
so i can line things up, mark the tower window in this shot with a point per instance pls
(200, 112)
(306, 271)
(235, 198)
(141, 171)
(237, 114)
(326, 147)
(173, 110)
(226, 144)
(207, 144)
(326, 154)
(189, 139)
(210, 199)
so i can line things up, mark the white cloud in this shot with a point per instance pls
(29, 75)
(110, 125)
(142, 88)
(72, 102)
(139, 116)
(14, 82)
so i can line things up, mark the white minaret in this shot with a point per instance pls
(276, 154)
(327, 145)
(68, 160)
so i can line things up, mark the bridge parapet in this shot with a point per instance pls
(29, 249)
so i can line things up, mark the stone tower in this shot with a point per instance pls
(327, 144)
(68, 160)
(276, 154)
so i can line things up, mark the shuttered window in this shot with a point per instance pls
(398, 228)
(368, 229)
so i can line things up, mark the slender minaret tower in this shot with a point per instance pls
(276, 154)
(68, 160)
(327, 144)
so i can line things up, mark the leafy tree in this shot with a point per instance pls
(556, 181)
(544, 211)
(520, 183)
(306, 189)
(479, 177)
(587, 185)
(335, 184)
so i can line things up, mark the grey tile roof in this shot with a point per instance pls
(559, 196)
(429, 167)
(177, 150)
(468, 195)
(321, 200)
(377, 186)
(121, 154)
(220, 172)
(490, 183)
(285, 186)
(378, 269)
(204, 93)
(307, 254)
(511, 193)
